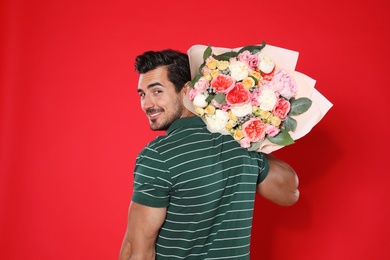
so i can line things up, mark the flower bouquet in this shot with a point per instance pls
(254, 94)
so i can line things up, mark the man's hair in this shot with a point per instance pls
(176, 62)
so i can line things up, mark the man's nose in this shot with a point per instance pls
(147, 102)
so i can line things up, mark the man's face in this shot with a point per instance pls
(159, 100)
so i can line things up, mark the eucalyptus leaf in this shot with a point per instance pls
(299, 106)
(253, 48)
(290, 124)
(255, 146)
(283, 138)
(207, 52)
(220, 98)
(209, 98)
(226, 56)
(194, 80)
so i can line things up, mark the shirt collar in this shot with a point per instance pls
(185, 122)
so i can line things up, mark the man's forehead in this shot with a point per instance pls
(152, 78)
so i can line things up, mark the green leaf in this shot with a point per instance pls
(299, 106)
(255, 146)
(253, 48)
(220, 98)
(209, 98)
(226, 56)
(194, 80)
(255, 79)
(207, 52)
(283, 138)
(290, 124)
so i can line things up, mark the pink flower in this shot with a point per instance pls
(201, 85)
(222, 83)
(253, 61)
(223, 107)
(271, 130)
(245, 142)
(254, 129)
(283, 83)
(244, 56)
(281, 108)
(192, 94)
(238, 95)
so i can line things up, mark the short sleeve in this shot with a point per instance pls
(152, 182)
(263, 169)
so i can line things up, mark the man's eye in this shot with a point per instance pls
(157, 91)
(141, 94)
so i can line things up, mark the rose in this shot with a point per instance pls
(283, 83)
(223, 65)
(218, 121)
(253, 61)
(222, 83)
(238, 95)
(271, 130)
(202, 84)
(211, 63)
(254, 129)
(248, 82)
(281, 108)
(244, 56)
(238, 70)
(267, 99)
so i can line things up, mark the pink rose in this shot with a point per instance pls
(254, 129)
(201, 85)
(222, 83)
(244, 56)
(192, 94)
(238, 95)
(253, 61)
(271, 130)
(281, 108)
(245, 142)
(283, 83)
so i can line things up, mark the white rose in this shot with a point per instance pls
(266, 64)
(238, 70)
(241, 111)
(200, 101)
(218, 121)
(267, 99)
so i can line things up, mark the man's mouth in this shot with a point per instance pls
(152, 114)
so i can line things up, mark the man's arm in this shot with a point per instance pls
(142, 230)
(281, 184)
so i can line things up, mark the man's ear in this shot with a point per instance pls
(185, 89)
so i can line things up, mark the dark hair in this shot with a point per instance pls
(176, 62)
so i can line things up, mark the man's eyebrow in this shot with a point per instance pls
(151, 85)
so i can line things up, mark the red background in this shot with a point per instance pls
(71, 126)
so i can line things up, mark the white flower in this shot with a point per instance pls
(266, 64)
(267, 99)
(238, 70)
(200, 101)
(218, 121)
(241, 111)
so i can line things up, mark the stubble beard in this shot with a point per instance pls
(155, 126)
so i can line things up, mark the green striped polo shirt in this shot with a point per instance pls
(207, 181)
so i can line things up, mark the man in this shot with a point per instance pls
(194, 190)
